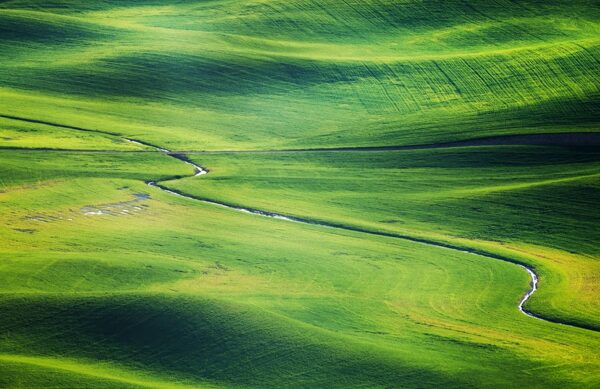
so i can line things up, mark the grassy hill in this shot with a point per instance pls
(531, 203)
(264, 74)
(107, 282)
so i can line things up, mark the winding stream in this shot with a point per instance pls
(199, 170)
(534, 281)
(594, 138)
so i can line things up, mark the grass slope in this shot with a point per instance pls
(303, 73)
(530, 203)
(187, 291)
(108, 282)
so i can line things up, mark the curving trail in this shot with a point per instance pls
(591, 139)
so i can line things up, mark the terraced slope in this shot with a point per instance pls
(107, 282)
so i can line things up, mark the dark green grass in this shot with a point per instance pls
(304, 73)
(222, 343)
(467, 190)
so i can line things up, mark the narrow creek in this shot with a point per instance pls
(199, 170)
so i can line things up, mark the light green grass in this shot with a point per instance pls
(18, 134)
(194, 283)
(107, 282)
(530, 203)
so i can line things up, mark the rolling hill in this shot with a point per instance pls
(384, 178)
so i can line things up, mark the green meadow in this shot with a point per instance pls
(400, 266)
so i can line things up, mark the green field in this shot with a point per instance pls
(398, 264)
